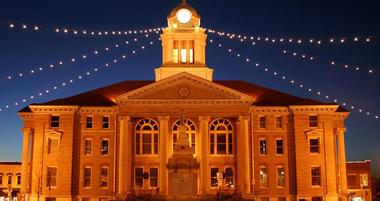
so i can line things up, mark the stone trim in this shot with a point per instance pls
(53, 109)
(313, 108)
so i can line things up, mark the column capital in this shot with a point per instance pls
(340, 130)
(246, 118)
(204, 118)
(163, 118)
(123, 117)
(27, 131)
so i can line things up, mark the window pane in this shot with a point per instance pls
(212, 143)
(315, 176)
(262, 122)
(88, 147)
(279, 147)
(155, 143)
(278, 122)
(263, 177)
(51, 176)
(88, 122)
(314, 145)
(139, 180)
(153, 175)
(221, 144)
(280, 177)
(183, 55)
(52, 146)
(54, 121)
(229, 178)
(263, 147)
(87, 177)
(214, 179)
(313, 121)
(106, 122)
(137, 143)
(104, 150)
(193, 142)
(147, 144)
(104, 177)
(230, 144)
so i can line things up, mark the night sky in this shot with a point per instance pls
(22, 50)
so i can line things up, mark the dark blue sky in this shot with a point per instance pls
(23, 50)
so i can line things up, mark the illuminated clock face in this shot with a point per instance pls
(183, 15)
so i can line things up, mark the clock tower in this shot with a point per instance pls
(183, 45)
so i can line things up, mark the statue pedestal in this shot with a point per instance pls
(183, 171)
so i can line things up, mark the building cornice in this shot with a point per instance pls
(44, 109)
(307, 109)
(99, 110)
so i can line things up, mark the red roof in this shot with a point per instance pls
(104, 96)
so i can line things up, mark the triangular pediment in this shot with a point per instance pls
(185, 87)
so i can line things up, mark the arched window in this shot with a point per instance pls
(190, 131)
(146, 141)
(221, 137)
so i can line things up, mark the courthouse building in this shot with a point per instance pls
(121, 139)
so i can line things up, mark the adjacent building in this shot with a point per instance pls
(117, 140)
(10, 179)
(359, 183)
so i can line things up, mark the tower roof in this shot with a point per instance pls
(184, 4)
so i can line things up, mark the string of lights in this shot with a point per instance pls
(293, 82)
(295, 40)
(35, 71)
(74, 80)
(332, 62)
(81, 31)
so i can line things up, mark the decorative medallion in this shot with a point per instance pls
(184, 92)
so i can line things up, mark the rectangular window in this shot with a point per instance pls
(280, 176)
(88, 147)
(352, 181)
(105, 147)
(313, 121)
(214, 178)
(262, 122)
(88, 122)
(315, 176)
(278, 122)
(104, 177)
(263, 147)
(221, 144)
(147, 143)
(137, 143)
(212, 144)
(52, 146)
(54, 121)
(1, 179)
(263, 177)
(363, 179)
(153, 177)
(155, 143)
(51, 177)
(314, 145)
(279, 146)
(191, 52)
(183, 55)
(18, 179)
(183, 52)
(230, 144)
(9, 179)
(193, 142)
(265, 199)
(87, 177)
(316, 199)
(176, 52)
(139, 178)
(229, 179)
(281, 198)
(106, 122)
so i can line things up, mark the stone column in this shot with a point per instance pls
(204, 171)
(27, 132)
(243, 173)
(342, 161)
(163, 153)
(125, 156)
